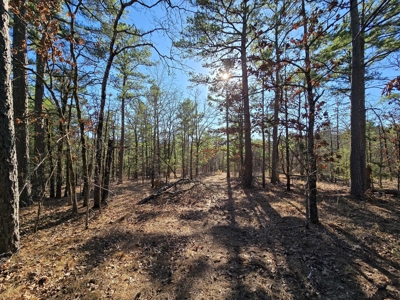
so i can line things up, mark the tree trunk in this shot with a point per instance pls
(311, 157)
(51, 160)
(122, 139)
(263, 133)
(9, 201)
(71, 181)
(287, 147)
(107, 170)
(191, 157)
(248, 159)
(67, 181)
(136, 155)
(183, 151)
(277, 100)
(39, 176)
(357, 98)
(228, 171)
(85, 167)
(20, 100)
(59, 179)
(99, 140)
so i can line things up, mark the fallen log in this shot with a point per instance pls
(389, 192)
(165, 189)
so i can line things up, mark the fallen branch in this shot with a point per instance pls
(165, 189)
(162, 190)
(389, 192)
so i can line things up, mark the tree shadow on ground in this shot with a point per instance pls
(327, 263)
(52, 214)
(248, 244)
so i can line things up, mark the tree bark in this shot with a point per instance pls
(51, 160)
(75, 79)
(9, 200)
(248, 159)
(263, 132)
(39, 146)
(71, 179)
(277, 101)
(122, 140)
(357, 98)
(311, 157)
(107, 170)
(228, 171)
(20, 101)
(59, 178)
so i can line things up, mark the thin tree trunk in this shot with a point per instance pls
(191, 158)
(39, 176)
(59, 179)
(107, 169)
(67, 180)
(71, 178)
(122, 140)
(228, 171)
(263, 133)
(312, 162)
(51, 160)
(287, 149)
(277, 100)
(248, 160)
(85, 167)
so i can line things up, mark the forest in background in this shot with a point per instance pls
(89, 99)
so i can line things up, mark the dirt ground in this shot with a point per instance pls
(215, 241)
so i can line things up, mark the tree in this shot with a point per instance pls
(358, 125)
(127, 64)
(72, 12)
(221, 30)
(185, 114)
(9, 200)
(20, 100)
(117, 33)
(383, 13)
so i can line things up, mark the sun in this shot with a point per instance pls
(225, 76)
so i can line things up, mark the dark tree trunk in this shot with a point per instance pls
(71, 179)
(20, 100)
(191, 158)
(66, 190)
(277, 101)
(99, 139)
(39, 146)
(51, 160)
(183, 151)
(122, 140)
(107, 170)
(228, 170)
(59, 179)
(9, 201)
(263, 133)
(85, 167)
(248, 159)
(357, 98)
(136, 156)
(311, 157)
(287, 146)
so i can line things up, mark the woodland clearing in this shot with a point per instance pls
(216, 241)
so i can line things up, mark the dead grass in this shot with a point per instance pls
(219, 242)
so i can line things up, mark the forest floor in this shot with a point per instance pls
(216, 241)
